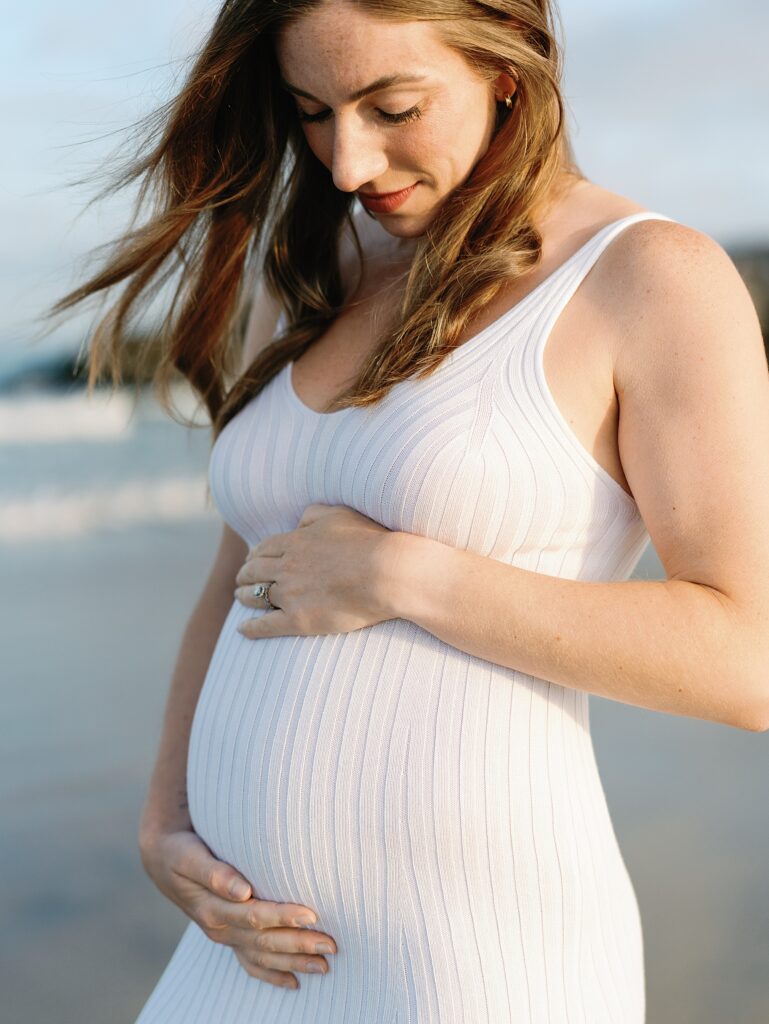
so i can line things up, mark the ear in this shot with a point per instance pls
(504, 85)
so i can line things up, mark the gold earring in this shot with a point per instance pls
(509, 101)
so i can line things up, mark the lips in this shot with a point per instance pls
(383, 195)
(386, 202)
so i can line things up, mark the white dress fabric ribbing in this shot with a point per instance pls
(442, 814)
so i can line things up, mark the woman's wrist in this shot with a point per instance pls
(413, 564)
(159, 821)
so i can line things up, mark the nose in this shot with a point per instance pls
(358, 155)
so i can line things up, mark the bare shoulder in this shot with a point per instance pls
(684, 330)
(262, 321)
(656, 248)
(662, 280)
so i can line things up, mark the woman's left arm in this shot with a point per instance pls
(693, 387)
(692, 381)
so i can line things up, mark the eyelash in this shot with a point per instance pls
(407, 115)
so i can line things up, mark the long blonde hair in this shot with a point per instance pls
(237, 194)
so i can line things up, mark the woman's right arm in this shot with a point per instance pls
(266, 937)
(165, 807)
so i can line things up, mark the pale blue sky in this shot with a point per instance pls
(667, 101)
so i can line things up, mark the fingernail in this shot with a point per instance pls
(323, 947)
(239, 889)
(305, 919)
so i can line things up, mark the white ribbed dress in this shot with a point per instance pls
(443, 815)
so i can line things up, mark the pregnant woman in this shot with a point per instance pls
(473, 385)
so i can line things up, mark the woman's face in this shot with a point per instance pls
(449, 113)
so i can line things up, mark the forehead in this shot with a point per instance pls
(340, 44)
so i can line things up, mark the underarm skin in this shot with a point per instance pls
(668, 645)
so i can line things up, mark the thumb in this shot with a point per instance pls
(227, 882)
(238, 888)
(219, 877)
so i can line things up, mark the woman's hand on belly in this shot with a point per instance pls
(332, 574)
(269, 939)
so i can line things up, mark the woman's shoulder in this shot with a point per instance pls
(660, 262)
(264, 314)
(662, 269)
(673, 296)
(654, 242)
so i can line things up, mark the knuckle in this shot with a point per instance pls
(208, 919)
(185, 864)
(253, 919)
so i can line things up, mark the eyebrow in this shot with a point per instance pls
(381, 83)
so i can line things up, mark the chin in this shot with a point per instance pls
(404, 236)
(406, 226)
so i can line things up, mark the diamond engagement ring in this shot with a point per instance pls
(263, 590)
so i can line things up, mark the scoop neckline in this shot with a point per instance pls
(481, 335)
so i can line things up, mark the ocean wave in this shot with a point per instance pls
(61, 418)
(74, 416)
(57, 514)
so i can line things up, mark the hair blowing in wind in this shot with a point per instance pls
(230, 192)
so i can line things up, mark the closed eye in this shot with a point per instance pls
(407, 115)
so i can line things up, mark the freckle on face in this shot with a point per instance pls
(336, 49)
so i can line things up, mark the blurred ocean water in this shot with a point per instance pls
(105, 540)
(70, 464)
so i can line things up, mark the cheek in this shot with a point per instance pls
(437, 147)
(429, 139)
(464, 142)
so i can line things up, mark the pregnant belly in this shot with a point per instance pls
(403, 789)
(319, 765)
(297, 749)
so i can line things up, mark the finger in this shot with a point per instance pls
(300, 942)
(215, 875)
(257, 569)
(262, 914)
(286, 961)
(272, 623)
(273, 545)
(280, 978)
(246, 596)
